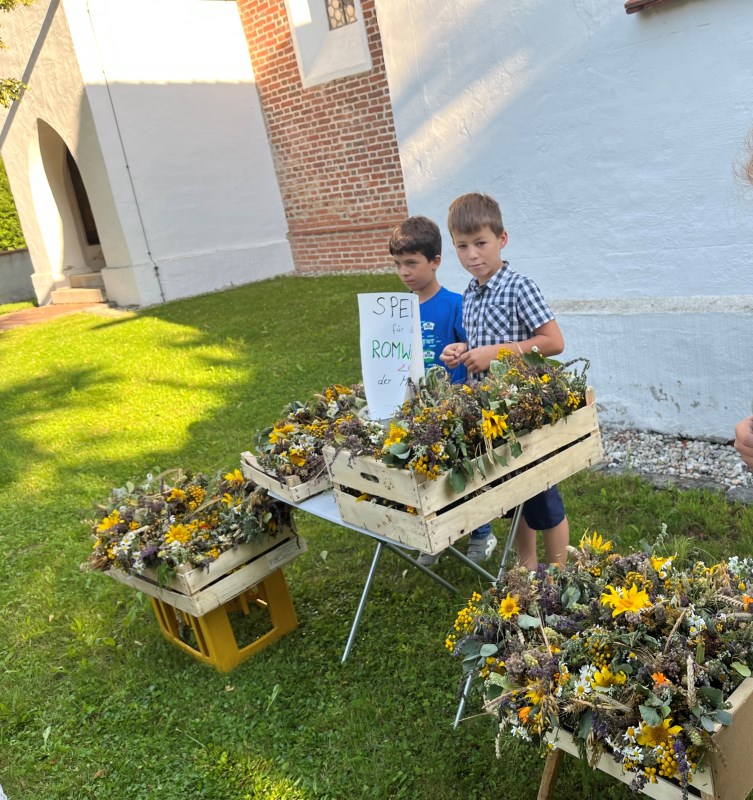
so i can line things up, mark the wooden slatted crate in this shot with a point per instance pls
(291, 487)
(197, 590)
(728, 772)
(442, 515)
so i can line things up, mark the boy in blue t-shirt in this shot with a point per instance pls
(416, 246)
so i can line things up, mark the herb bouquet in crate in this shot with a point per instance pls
(456, 456)
(637, 663)
(288, 456)
(192, 540)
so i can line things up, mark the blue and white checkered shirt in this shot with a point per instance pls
(508, 308)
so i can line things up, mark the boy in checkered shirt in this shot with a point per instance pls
(502, 308)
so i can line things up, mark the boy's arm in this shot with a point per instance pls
(547, 338)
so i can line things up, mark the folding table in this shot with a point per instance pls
(324, 506)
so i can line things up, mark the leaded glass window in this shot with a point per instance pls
(341, 12)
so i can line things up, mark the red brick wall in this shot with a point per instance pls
(334, 147)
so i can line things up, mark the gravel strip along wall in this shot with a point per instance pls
(686, 463)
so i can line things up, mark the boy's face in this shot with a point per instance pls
(416, 271)
(479, 252)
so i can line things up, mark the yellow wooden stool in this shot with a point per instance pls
(216, 643)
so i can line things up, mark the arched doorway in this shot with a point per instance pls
(65, 218)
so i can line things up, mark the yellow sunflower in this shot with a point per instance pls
(509, 606)
(493, 425)
(623, 600)
(655, 735)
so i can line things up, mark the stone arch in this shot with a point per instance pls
(64, 215)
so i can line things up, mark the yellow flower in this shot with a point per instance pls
(176, 496)
(396, 434)
(493, 425)
(595, 543)
(604, 678)
(545, 378)
(509, 606)
(655, 735)
(112, 519)
(661, 562)
(623, 600)
(236, 476)
(340, 389)
(296, 459)
(178, 533)
(280, 433)
(534, 695)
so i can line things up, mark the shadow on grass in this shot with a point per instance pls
(88, 679)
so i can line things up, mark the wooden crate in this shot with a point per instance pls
(197, 591)
(728, 772)
(549, 455)
(291, 487)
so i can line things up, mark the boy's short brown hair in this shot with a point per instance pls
(416, 235)
(471, 212)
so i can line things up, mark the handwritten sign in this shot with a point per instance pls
(391, 350)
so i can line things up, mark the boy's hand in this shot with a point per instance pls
(451, 355)
(744, 440)
(478, 359)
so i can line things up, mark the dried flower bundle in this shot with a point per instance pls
(633, 654)
(181, 518)
(293, 445)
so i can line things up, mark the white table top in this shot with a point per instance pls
(324, 505)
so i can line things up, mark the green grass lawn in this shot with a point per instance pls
(9, 308)
(94, 703)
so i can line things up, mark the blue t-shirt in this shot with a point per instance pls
(442, 324)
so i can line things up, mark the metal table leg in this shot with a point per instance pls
(463, 698)
(362, 601)
(369, 580)
(412, 561)
(510, 539)
(472, 564)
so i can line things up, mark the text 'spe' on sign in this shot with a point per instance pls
(391, 350)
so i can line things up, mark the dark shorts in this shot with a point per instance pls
(545, 510)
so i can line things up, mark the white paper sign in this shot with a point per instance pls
(391, 350)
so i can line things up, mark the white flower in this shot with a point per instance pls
(581, 687)
(520, 732)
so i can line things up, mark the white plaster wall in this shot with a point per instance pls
(39, 50)
(610, 142)
(156, 101)
(171, 85)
